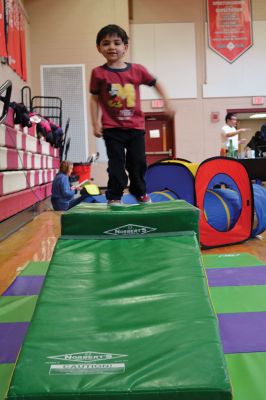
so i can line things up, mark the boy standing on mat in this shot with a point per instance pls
(114, 87)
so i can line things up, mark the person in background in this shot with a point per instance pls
(258, 142)
(230, 132)
(253, 143)
(63, 195)
(114, 87)
(263, 132)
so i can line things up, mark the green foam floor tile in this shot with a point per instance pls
(232, 299)
(247, 374)
(35, 268)
(17, 308)
(6, 371)
(230, 260)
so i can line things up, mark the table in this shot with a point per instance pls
(256, 167)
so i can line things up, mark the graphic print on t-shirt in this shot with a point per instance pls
(123, 98)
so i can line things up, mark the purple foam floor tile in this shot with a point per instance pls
(11, 339)
(25, 286)
(243, 332)
(244, 276)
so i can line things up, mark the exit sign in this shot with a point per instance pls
(257, 101)
(157, 103)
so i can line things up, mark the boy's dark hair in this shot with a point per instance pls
(111, 30)
(229, 115)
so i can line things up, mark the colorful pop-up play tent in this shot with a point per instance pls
(259, 224)
(222, 189)
(232, 175)
(176, 176)
(219, 186)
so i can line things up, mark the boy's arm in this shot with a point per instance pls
(168, 110)
(94, 109)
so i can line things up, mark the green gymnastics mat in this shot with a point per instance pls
(124, 317)
(96, 219)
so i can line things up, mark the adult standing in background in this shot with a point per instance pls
(230, 132)
(263, 132)
(258, 142)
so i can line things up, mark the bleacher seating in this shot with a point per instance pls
(27, 167)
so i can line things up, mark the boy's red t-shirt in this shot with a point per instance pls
(119, 97)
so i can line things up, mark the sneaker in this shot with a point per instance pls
(114, 202)
(144, 199)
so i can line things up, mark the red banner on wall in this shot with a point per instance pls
(229, 27)
(11, 50)
(17, 39)
(3, 52)
(22, 26)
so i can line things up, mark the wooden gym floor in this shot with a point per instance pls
(36, 240)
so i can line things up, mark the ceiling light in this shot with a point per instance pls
(258, 116)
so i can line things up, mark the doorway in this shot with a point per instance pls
(250, 118)
(159, 137)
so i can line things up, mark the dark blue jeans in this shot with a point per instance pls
(64, 205)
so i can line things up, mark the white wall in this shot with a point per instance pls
(169, 53)
(245, 77)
